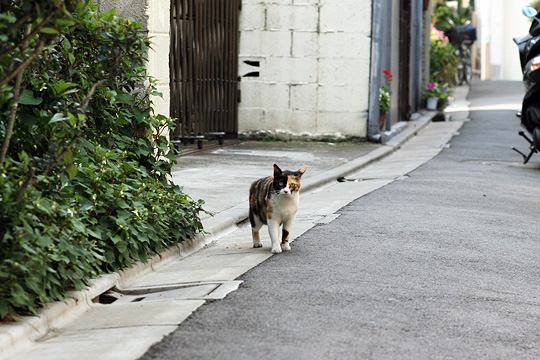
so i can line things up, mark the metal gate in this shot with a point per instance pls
(203, 65)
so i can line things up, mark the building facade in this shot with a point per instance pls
(312, 67)
(307, 69)
(499, 21)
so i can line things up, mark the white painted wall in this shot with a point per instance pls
(499, 22)
(314, 66)
(158, 56)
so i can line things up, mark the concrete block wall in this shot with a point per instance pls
(314, 58)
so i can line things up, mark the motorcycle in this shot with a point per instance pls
(529, 55)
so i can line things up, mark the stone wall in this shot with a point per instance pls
(314, 66)
(155, 15)
(133, 9)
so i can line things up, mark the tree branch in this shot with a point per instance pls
(27, 181)
(91, 93)
(23, 65)
(12, 117)
(32, 33)
(30, 179)
(15, 106)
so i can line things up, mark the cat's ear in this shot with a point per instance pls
(277, 171)
(302, 170)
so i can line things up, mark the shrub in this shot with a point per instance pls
(446, 18)
(84, 177)
(442, 61)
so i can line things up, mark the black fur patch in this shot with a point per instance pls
(285, 236)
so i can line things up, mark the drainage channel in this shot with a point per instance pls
(212, 290)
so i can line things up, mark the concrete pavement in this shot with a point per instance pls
(221, 177)
(85, 326)
(125, 328)
(441, 264)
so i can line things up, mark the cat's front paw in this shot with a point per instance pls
(257, 244)
(285, 246)
(276, 250)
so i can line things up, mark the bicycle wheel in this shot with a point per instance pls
(459, 77)
(467, 73)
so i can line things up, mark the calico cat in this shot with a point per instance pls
(273, 201)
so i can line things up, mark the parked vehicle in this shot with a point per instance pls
(529, 55)
(462, 37)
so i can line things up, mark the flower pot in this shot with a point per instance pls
(382, 118)
(432, 103)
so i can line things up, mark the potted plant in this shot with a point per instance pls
(435, 95)
(385, 95)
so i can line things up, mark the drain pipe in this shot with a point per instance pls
(373, 131)
(419, 38)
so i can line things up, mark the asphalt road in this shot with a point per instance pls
(442, 265)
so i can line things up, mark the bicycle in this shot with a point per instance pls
(464, 65)
(462, 37)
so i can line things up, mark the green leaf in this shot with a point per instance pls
(27, 98)
(122, 204)
(23, 155)
(65, 22)
(60, 86)
(44, 241)
(66, 44)
(8, 17)
(72, 120)
(124, 98)
(72, 171)
(95, 234)
(57, 117)
(78, 226)
(116, 239)
(71, 58)
(68, 156)
(48, 30)
(109, 14)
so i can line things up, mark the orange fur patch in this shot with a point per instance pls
(269, 210)
(294, 183)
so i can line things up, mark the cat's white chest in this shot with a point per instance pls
(284, 206)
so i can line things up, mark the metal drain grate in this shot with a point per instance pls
(182, 291)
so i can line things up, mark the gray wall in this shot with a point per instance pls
(132, 9)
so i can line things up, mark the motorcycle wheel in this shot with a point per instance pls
(536, 138)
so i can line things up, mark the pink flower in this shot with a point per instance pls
(431, 85)
(437, 34)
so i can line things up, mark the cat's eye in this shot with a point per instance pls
(281, 183)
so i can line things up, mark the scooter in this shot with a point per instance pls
(529, 55)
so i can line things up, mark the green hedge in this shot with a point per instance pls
(84, 178)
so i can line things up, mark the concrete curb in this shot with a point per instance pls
(54, 315)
